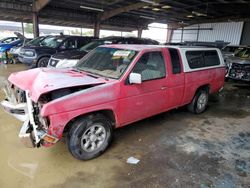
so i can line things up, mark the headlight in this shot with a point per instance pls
(67, 63)
(13, 50)
(29, 53)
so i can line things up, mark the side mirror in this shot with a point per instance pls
(135, 78)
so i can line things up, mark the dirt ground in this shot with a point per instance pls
(175, 149)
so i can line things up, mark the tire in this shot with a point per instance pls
(199, 102)
(83, 137)
(43, 62)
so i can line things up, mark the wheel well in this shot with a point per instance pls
(108, 113)
(203, 87)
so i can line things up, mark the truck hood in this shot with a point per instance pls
(39, 81)
(239, 60)
(71, 54)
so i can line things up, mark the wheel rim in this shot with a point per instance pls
(44, 63)
(93, 138)
(202, 101)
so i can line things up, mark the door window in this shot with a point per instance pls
(151, 66)
(175, 61)
(69, 44)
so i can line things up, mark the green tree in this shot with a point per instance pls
(76, 32)
(28, 28)
(88, 33)
(130, 35)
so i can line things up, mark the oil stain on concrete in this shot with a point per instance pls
(176, 149)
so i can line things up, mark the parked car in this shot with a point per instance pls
(6, 55)
(239, 65)
(112, 86)
(5, 48)
(38, 56)
(8, 40)
(70, 58)
(14, 52)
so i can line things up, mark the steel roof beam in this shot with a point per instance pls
(108, 14)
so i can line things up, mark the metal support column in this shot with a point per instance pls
(22, 28)
(139, 32)
(198, 33)
(182, 30)
(169, 35)
(96, 29)
(35, 24)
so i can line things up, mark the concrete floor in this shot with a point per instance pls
(176, 149)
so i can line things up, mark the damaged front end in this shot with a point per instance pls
(239, 71)
(29, 92)
(15, 102)
(34, 130)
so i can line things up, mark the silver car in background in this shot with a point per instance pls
(239, 65)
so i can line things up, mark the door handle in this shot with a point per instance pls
(163, 87)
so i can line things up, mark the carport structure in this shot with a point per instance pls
(122, 15)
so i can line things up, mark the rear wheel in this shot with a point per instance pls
(43, 62)
(89, 136)
(199, 102)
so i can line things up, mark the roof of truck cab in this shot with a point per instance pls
(137, 47)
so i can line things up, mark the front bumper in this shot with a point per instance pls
(27, 60)
(26, 136)
(239, 72)
(15, 103)
(31, 134)
(19, 111)
(31, 138)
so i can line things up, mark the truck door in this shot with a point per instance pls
(139, 101)
(175, 79)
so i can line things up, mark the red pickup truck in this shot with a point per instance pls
(110, 87)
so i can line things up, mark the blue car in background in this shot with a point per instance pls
(5, 48)
(8, 40)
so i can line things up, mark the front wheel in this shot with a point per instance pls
(43, 62)
(199, 102)
(89, 136)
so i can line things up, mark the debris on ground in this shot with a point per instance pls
(133, 160)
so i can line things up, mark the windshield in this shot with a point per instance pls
(52, 42)
(35, 42)
(8, 40)
(107, 62)
(16, 42)
(244, 53)
(94, 44)
(230, 49)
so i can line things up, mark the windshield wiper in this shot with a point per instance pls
(95, 74)
(76, 70)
